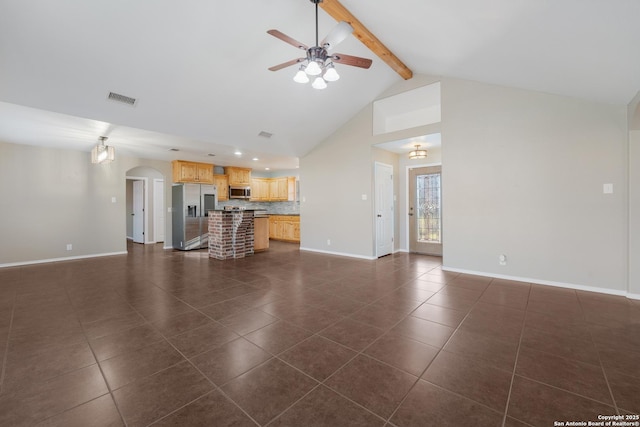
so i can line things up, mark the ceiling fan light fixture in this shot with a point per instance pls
(313, 69)
(418, 153)
(301, 76)
(319, 83)
(331, 75)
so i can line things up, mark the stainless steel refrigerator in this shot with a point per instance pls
(191, 204)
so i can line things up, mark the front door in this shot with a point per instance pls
(425, 210)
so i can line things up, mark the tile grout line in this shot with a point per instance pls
(104, 378)
(217, 387)
(438, 353)
(515, 362)
(166, 339)
(604, 372)
(571, 360)
(5, 356)
(320, 383)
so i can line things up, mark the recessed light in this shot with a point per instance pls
(267, 169)
(255, 159)
(238, 153)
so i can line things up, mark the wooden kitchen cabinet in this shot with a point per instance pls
(273, 189)
(260, 189)
(260, 234)
(284, 227)
(238, 176)
(222, 185)
(200, 173)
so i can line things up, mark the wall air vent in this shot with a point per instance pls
(265, 134)
(122, 98)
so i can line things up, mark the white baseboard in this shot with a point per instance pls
(167, 247)
(70, 258)
(544, 282)
(337, 253)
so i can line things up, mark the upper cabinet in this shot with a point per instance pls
(260, 189)
(238, 176)
(183, 171)
(222, 184)
(273, 189)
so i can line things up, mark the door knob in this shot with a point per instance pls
(410, 214)
(379, 216)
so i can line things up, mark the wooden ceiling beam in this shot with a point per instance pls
(340, 13)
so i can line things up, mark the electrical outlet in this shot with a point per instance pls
(328, 242)
(502, 259)
(69, 247)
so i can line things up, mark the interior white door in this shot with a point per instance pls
(138, 211)
(383, 206)
(158, 210)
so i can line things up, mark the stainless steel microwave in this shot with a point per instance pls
(239, 192)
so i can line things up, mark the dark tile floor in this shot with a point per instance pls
(290, 338)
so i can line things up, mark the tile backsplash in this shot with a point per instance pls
(270, 207)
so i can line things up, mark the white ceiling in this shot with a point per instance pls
(198, 68)
(404, 146)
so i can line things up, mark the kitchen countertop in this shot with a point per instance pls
(284, 214)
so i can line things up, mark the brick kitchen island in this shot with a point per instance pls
(230, 234)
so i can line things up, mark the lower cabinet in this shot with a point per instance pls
(284, 227)
(260, 234)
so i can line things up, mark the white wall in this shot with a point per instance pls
(634, 197)
(51, 197)
(335, 175)
(523, 175)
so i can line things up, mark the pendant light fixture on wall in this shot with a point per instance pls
(417, 153)
(102, 153)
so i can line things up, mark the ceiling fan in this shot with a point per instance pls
(319, 62)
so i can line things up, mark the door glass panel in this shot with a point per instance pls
(429, 216)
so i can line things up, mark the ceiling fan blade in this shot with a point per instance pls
(287, 39)
(340, 32)
(354, 61)
(286, 64)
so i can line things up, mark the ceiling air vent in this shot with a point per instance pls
(121, 98)
(265, 134)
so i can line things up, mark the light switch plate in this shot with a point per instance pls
(364, 197)
(607, 188)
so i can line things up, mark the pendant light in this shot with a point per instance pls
(417, 153)
(102, 153)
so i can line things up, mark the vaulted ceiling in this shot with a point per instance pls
(198, 68)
